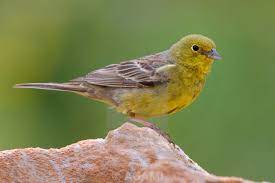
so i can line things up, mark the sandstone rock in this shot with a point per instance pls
(127, 154)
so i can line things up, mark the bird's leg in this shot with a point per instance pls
(153, 127)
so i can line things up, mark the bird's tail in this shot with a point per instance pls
(53, 86)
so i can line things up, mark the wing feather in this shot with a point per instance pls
(141, 72)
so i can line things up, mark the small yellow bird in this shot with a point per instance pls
(151, 86)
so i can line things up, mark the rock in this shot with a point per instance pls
(127, 154)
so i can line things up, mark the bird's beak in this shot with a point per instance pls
(213, 53)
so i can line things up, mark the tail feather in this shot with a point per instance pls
(53, 86)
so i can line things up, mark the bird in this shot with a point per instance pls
(156, 85)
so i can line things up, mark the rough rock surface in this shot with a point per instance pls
(127, 154)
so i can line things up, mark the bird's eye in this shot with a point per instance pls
(195, 48)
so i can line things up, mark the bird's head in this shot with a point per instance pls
(194, 50)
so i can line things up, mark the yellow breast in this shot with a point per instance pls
(157, 101)
(164, 99)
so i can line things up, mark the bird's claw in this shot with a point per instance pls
(153, 127)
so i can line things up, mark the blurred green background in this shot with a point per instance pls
(229, 130)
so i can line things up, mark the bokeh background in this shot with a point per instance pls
(229, 130)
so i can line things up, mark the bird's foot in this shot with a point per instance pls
(153, 127)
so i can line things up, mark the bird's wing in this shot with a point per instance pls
(143, 72)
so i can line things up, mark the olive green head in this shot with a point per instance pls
(194, 49)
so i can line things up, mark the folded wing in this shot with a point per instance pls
(143, 72)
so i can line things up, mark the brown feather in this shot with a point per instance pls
(130, 74)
